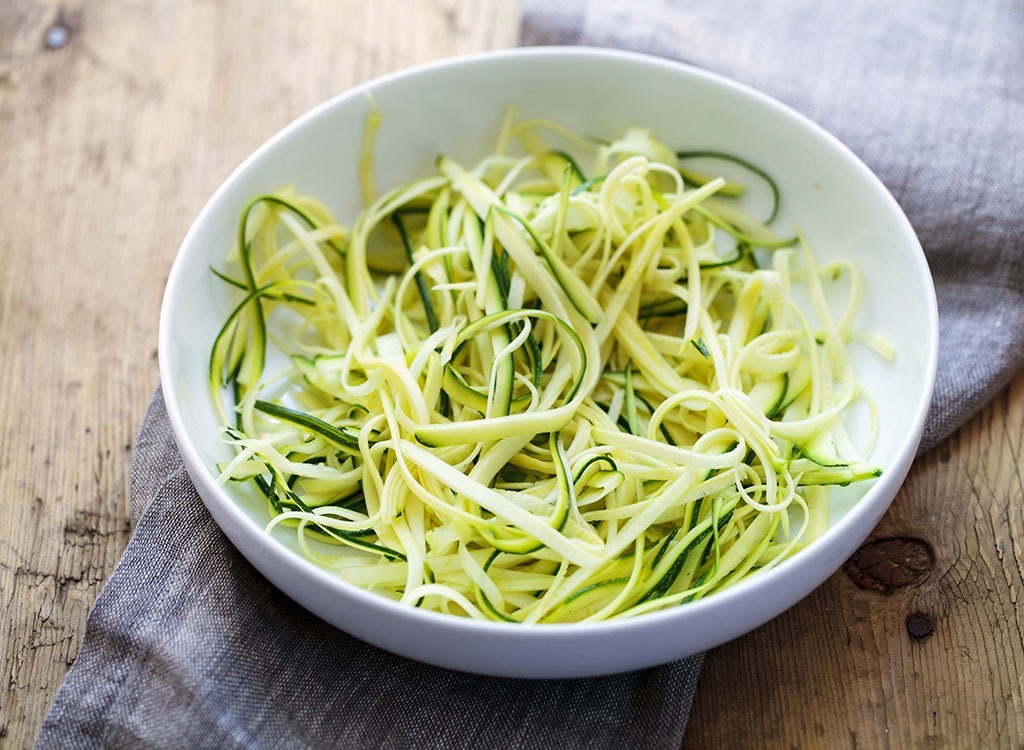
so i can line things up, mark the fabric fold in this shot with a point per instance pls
(189, 646)
(930, 95)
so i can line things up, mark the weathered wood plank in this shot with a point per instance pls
(109, 145)
(938, 663)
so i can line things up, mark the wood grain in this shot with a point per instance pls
(936, 664)
(109, 145)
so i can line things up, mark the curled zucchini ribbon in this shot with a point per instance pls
(568, 382)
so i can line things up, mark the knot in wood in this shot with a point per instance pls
(920, 626)
(885, 565)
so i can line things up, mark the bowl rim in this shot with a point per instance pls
(210, 492)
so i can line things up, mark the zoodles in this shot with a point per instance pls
(540, 388)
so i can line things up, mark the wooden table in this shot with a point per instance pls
(117, 121)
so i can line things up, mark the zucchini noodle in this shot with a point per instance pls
(528, 392)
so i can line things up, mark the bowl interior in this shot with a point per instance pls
(456, 108)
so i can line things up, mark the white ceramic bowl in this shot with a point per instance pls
(455, 107)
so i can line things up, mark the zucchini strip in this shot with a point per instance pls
(571, 384)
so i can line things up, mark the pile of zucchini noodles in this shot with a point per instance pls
(527, 391)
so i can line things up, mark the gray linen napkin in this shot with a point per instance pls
(929, 93)
(189, 646)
